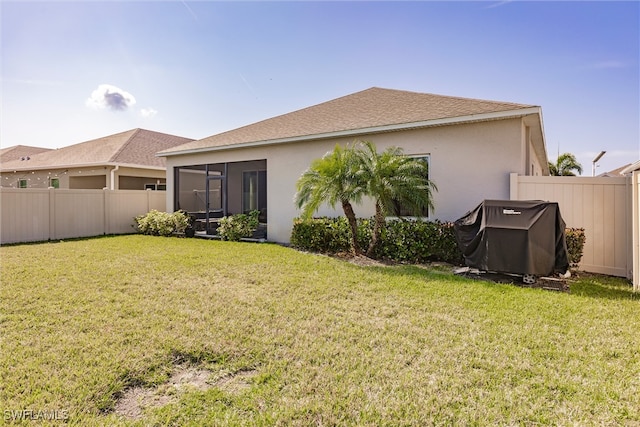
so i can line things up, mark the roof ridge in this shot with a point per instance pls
(124, 144)
(464, 98)
(13, 147)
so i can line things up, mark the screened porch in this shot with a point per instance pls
(209, 192)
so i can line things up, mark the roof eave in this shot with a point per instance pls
(364, 131)
(631, 168)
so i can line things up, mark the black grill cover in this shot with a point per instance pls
(514, 236)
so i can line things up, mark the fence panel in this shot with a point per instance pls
(602, 206)
(31, 215)
(24, 215)
(78, 213)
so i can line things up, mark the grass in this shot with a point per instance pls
(331, 343)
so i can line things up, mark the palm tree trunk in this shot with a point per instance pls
(353, 224)
(377, 230)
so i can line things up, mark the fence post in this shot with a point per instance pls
(513, 186)
(52, 213)
(635, 228)
(105, 216)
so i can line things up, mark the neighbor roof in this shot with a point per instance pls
(136, 147)
(371, 110)
(616, 172)
(18, 152)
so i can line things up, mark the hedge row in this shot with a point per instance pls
(402, 240)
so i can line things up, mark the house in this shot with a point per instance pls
(19, 152)
(124, 161)
(615, 172)
(471, 145)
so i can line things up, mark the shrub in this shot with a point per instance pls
(321, 234)
(419, 241)
(235, 227)
(157, 223)
(401, 240)
(575, 245)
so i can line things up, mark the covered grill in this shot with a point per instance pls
(514, 236)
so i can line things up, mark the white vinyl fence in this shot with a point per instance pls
(636, 229)
(31, 215)
(602, 206)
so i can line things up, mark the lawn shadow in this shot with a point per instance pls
(583, 284)
(600, 286)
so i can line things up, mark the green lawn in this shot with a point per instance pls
(325, 342)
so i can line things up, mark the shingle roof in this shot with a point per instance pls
(135, 147)
(616, 172)
(367, 109)
(18, 152)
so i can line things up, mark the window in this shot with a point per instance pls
(154, 187)
(254, 191)
(403, 211)
(54, 182)
(22, 183)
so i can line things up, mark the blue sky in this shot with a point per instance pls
(197, 68)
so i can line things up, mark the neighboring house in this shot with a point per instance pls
(616, 172)
(19, 152)
(471, 145)
(124, 161)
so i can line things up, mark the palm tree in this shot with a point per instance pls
(565, 165)
(332, 179)
(391, 177)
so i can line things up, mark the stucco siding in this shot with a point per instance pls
(90, 177)
(468, 163)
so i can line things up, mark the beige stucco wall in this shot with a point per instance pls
(90, 177)
(468, 163)
(41, 178)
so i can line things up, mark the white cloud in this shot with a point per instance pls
(148, 112)
(111, 97)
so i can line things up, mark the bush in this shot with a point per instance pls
(575, 245)
(419, 241)
(401, 240)
(321, 234)
(237, 226)
(157, 223)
